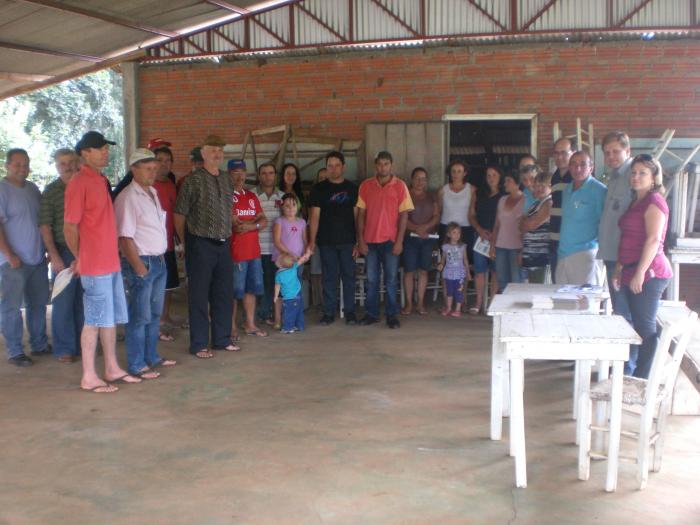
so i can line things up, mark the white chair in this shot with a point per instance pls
(652, 396)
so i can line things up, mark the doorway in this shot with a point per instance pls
(484, 140)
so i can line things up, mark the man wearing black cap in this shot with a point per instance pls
(203, 218)
(90, 231)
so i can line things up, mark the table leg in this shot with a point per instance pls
(498, 371)
(583, 419)
(517, 421)
(615, 425)
(601, 409)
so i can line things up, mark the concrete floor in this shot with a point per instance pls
(339, 425)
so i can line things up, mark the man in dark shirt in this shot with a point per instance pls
(332, 217)
(563, 150)
(203, 218)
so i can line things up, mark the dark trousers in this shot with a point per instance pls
(67, 313)
(269, 269)
(210, 292)
(337, 260)
(621, 307)
(644, 306)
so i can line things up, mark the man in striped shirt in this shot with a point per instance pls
(563, 150)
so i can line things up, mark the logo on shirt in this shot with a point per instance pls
(294, 229)
(251, 203)
(340, 198)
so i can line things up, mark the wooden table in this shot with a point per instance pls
(517, 298)
(568, 337)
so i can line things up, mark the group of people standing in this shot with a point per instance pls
(242, 244)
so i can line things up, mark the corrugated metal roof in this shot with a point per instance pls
(305, 25)
(38, 39)
(42, 41)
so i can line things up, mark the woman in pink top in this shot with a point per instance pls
(507, 240)
(642, 270)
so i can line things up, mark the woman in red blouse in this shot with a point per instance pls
(643, 271)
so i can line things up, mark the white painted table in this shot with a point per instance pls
(517, 298)
(565, 337)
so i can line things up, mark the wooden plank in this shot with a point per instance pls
(435, 138)
(416, 147)
(375, 141)
(397, 146)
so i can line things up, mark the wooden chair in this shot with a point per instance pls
(652, 396)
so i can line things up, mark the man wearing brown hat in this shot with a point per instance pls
(203, 219)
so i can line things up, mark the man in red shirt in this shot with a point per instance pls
(383, 203)
(90, 231)
(248, 219)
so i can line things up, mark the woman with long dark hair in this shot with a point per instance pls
(290, 182)
(482, 216)
(642, 270)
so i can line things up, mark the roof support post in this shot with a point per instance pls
(130, 101)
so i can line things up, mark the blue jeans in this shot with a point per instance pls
(337, 259)
(507, 268)
(621, 307)
(380, 258)
(293, 314)
(67, 314)
(145, 297)
(643, 307)
(269, 269)
(28, 283)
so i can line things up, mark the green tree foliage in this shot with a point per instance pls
(57, 116)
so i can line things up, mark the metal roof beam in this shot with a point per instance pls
(539, 13)
(111, 19)
(52, 52)
(397, 18)
(228, 6)
(634, 11)
(23, 77)
(488, 15)
(321, 22)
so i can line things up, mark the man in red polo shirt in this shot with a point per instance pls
(383, 203)
(90, 230)
(248, 219)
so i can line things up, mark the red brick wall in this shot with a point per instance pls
(641, 87)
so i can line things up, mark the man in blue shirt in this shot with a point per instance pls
(23, 270)
(582, 207)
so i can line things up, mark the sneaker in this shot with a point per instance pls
(368, 320)
(288, 331)
(326, 320)
(45, 351)
(350, 319)
(393, 322)
(21, 360)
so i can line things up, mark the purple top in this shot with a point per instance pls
(291, 235)
(634, 235)
(454, 261)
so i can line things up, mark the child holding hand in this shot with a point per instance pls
(454, 266)
(288, 287)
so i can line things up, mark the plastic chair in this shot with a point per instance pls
(652, 395)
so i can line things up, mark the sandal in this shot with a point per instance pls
(166, 338)
(123, 380)
(148, 373)
(101, 389)
(204, 354)
(68, 359)
(474, 310)
(406, 311)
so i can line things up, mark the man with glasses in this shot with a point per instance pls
(563, 149)
(582, 207)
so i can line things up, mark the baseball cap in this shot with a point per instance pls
(92, 139)
(236, 164)
(158, 143)
(140, 155)
(214, 140)
(196, 155)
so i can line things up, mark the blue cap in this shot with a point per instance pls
(236, 164)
